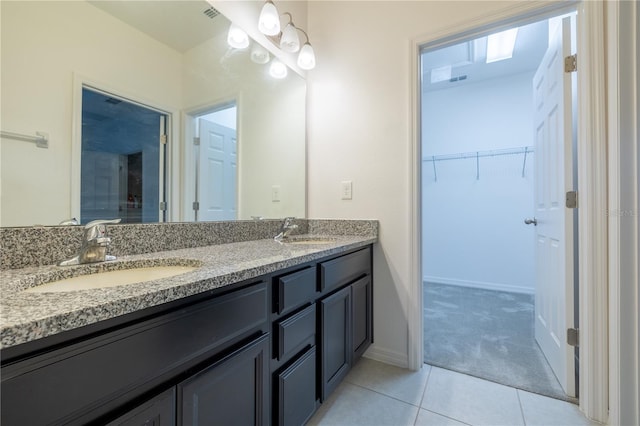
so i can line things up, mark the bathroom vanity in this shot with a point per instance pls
(261, 333)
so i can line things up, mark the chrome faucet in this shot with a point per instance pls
(286, 228)
(94, 244)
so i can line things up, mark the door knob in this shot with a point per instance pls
(531, 221)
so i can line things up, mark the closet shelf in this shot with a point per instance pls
(480, 154)
(524, 150)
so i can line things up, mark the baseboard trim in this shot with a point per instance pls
(387, 356)
(478, 284)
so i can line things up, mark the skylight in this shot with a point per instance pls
(500, 45)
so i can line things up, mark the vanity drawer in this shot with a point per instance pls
(295, 331)
(343, 270)
(88, 379)
(295, 290)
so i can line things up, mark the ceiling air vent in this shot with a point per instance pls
(211, 13)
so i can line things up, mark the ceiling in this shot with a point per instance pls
(180, 25)
(467, 59)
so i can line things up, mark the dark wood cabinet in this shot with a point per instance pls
(260, 352)
(346, 316)
(233, 391)
(90, 380)
(362, 316)
(158, 411)
(335, 341)
(295, 391)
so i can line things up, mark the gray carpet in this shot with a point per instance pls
(487, 334)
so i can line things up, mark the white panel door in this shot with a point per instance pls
(554, 230)
(217, 172)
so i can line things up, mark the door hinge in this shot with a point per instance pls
(163, 139)
(196, 140)
(163, 206)
(196, 205)
(571, 63)
(573, 337)
(572, 200)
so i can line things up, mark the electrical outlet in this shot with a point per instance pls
(346, 190)
(275, 193)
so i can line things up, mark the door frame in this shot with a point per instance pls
(188, 186)
(171, 154)
(592, 187)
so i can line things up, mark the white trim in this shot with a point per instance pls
(415, 338)
(386, 356)
(479, 284)
(187, 177)
(614, 225)
(79, 82)
(592, 223)
(591, 186)
(624, 356)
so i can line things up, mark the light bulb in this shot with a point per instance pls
(269, 21)
(289, 41)
(259, 54)
(277, 69)
(306, 57)
(237, 38)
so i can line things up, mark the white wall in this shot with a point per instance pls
(43, 45)
(360, 129)
(271, 126)
(473, 230)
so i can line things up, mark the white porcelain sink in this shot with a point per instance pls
(308, 241)
(111, 279)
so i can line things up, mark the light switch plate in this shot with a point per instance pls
(275, 193)
(346, 190)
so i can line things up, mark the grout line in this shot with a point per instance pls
(384, 394)
(524, 421)
(426, 382)
(448, 417)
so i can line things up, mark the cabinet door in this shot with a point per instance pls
(296, 391)
(361, 316)
(336, 350)
(233, 391)
(158, 411)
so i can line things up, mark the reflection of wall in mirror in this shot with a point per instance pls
(46, 43)
(271, 126)
(43, 45)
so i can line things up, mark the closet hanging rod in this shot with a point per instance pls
(41, 139)
(479, 154)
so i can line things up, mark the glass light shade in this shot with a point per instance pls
(237, 38)
(259, 54)
(277, 69)
(306, 57)
(289, 41)
(269, 21)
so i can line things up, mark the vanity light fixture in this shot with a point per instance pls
(269, 21)
(237, 37)
(287, 39)
(306, 57)
(277, 69)
(259, 54)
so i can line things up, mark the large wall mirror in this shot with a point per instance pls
(150, 116)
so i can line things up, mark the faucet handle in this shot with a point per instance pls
(101, 222)
(96, 229)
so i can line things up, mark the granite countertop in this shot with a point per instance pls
(29, 316)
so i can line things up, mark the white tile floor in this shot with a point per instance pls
(377, 394)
